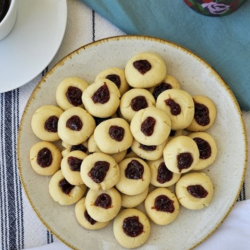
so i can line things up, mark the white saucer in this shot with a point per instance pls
(33, 42)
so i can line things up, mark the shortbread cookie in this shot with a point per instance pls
(131, 228)
(103, 205)
(93, 148)
(145, 70)
(134, 176)
(207, 148)
(113, 136)
(133, 101)
(45, 158)
(102, 98)
(170, 82)
(162, 206)
(63, 192)
(117, 76)
(131, 154)
(152, 152)
(100, 171)
(71, 167)
(179, 106)
(44, 122)
(194, 190)
(85, 219)
(75, 126)
(69, 92)
(150, 126)
(70, 148)
(174, 133)
(161, 176)
(205, 114)
(130, 201)
(181, 154)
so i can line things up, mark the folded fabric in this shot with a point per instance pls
(234, 233)
(224, 42)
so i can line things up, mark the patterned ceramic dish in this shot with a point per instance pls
(214, 7)
(195, 76)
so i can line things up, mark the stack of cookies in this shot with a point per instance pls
(133, 138)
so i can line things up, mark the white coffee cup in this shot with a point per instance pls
(7, 24)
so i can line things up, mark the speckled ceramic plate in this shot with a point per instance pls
(196, 77)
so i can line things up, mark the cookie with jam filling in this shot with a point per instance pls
(150, 126)
(181, 154)
(134, 176)
(152, 152)
(45, 158)
(133, 101)
(84, 219)
(117, 76)
(75, 126)
(101, 98)
(178, 105)
(161, 176)
(113, 136)
(204, 115)
(103, 205)
(71, 167)
(69, 92)
(162, 206)
(145, 70)
(194, 190)
(169, 82)
(63, 192)
(131, 228)
(44, 122)
(100, 171)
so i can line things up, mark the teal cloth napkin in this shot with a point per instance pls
(224, 42)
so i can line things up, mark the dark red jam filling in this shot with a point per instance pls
(172, 133)
(101, 95)
(197, 191)
(204, 148)
(163, 204)
(175, 108)
(201, 114)
(115, 79)
(74, 123)
(129, 150)
(160, 88)
(143, 66)
(79, 147)
(74, 96)
(89, 218)
(99, 120)
(132, 227)
(51, 124)
(116, 133)
(104, 201)
(147, 148)
(44, 158)
(65, 186)
(147, 127)
(99, 171)
(139, 103)
(163, 174)
(134, 170)
(184, 161)
(74, 163)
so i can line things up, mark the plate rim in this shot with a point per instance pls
(129, 37)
